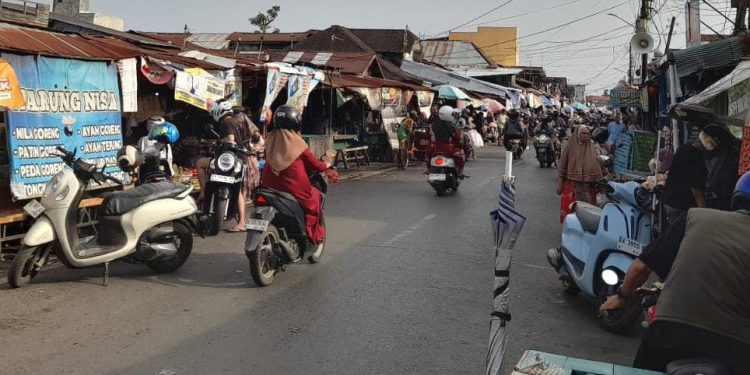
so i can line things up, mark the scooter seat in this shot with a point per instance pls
(588, 215)
(122, 202)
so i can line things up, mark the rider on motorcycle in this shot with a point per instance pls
(702, 311)
(288, 160)
(447, 139)
(513, 128)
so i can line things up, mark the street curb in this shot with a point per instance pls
(365, 174)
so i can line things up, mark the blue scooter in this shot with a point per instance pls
(598, 246)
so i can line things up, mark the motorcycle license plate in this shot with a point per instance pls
(424, 142)
(629, 246)
(34, 208)
(224, 179)
(437, 177)
(256, 224)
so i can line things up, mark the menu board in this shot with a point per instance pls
(644, 149)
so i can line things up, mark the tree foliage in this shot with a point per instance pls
(263, 21)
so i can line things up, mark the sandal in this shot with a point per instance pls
(236, 230)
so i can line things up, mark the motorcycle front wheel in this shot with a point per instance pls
(620, 321)
(220, 207)
(183, 241)
(25, 266)
(263, 261)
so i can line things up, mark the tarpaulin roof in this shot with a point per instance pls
(350, 81)
(740, 74)
(447, 77)
(346, 62)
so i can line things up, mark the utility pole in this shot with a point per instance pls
(644, 24)
(630, 65)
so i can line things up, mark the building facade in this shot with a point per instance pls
(498, 43)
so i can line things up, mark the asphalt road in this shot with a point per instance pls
(405, 287)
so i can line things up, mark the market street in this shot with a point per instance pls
(405, 287)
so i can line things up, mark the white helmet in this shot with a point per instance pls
(154, 121)
(446, 113)
(220, 109)
(129, 158)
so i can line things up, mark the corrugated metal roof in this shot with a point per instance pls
(348, 80)
(210, 40)
(348, 63)
(724, 53)
(21, 39)
(56, 17)
(454, 54)
(270, 37)
(450, 78)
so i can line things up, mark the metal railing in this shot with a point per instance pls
(30, 8)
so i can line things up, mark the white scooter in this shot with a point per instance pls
(151, 224)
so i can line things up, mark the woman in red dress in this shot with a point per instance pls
(288, 160)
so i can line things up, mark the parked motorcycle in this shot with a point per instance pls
(443, 174)
(545, 149)
(226, 175)
(152, 224)
(421, 136)
(276, 234)
(598, 246)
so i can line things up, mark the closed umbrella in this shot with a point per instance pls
(493, 105)
(451, 93)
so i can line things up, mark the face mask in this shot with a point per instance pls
(708, 143)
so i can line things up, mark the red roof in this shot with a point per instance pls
(64, 45)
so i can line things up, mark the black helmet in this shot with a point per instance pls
(600, 135)
(287, 117)
(513, 113)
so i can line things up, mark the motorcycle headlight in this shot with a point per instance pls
(543, 138)
(610, 277)
(643, 197)
(226, 162)
(54, 184)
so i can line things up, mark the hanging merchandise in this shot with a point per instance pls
(425, 99)
(69, 103)
(373, 96)
(127, 69)
(298, 91)
(198, 88)
(155, 72)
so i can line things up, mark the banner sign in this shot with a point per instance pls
(745, 151)
(372, 95)
(391, 97)
(69, 103)
(298, 90)
(625, 97)
(425, 99)
(274, 84)
(233, 86)
(198, 88)
(128, 77)
(155, 72)
(10, 89)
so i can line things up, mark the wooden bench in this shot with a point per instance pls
(16, 216)
(358, 155)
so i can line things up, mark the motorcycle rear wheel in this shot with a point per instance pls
(263, 266)
(440, 190)
(184, 242)
(24, 266)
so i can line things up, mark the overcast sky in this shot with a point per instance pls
(598, 62)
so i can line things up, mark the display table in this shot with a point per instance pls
(575, 366)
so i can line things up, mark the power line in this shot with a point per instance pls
(473, 19)
(527, 13)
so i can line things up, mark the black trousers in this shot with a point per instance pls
(666, 342)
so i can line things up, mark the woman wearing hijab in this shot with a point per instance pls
(287, 161)
(579, 170)
(722, 163)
